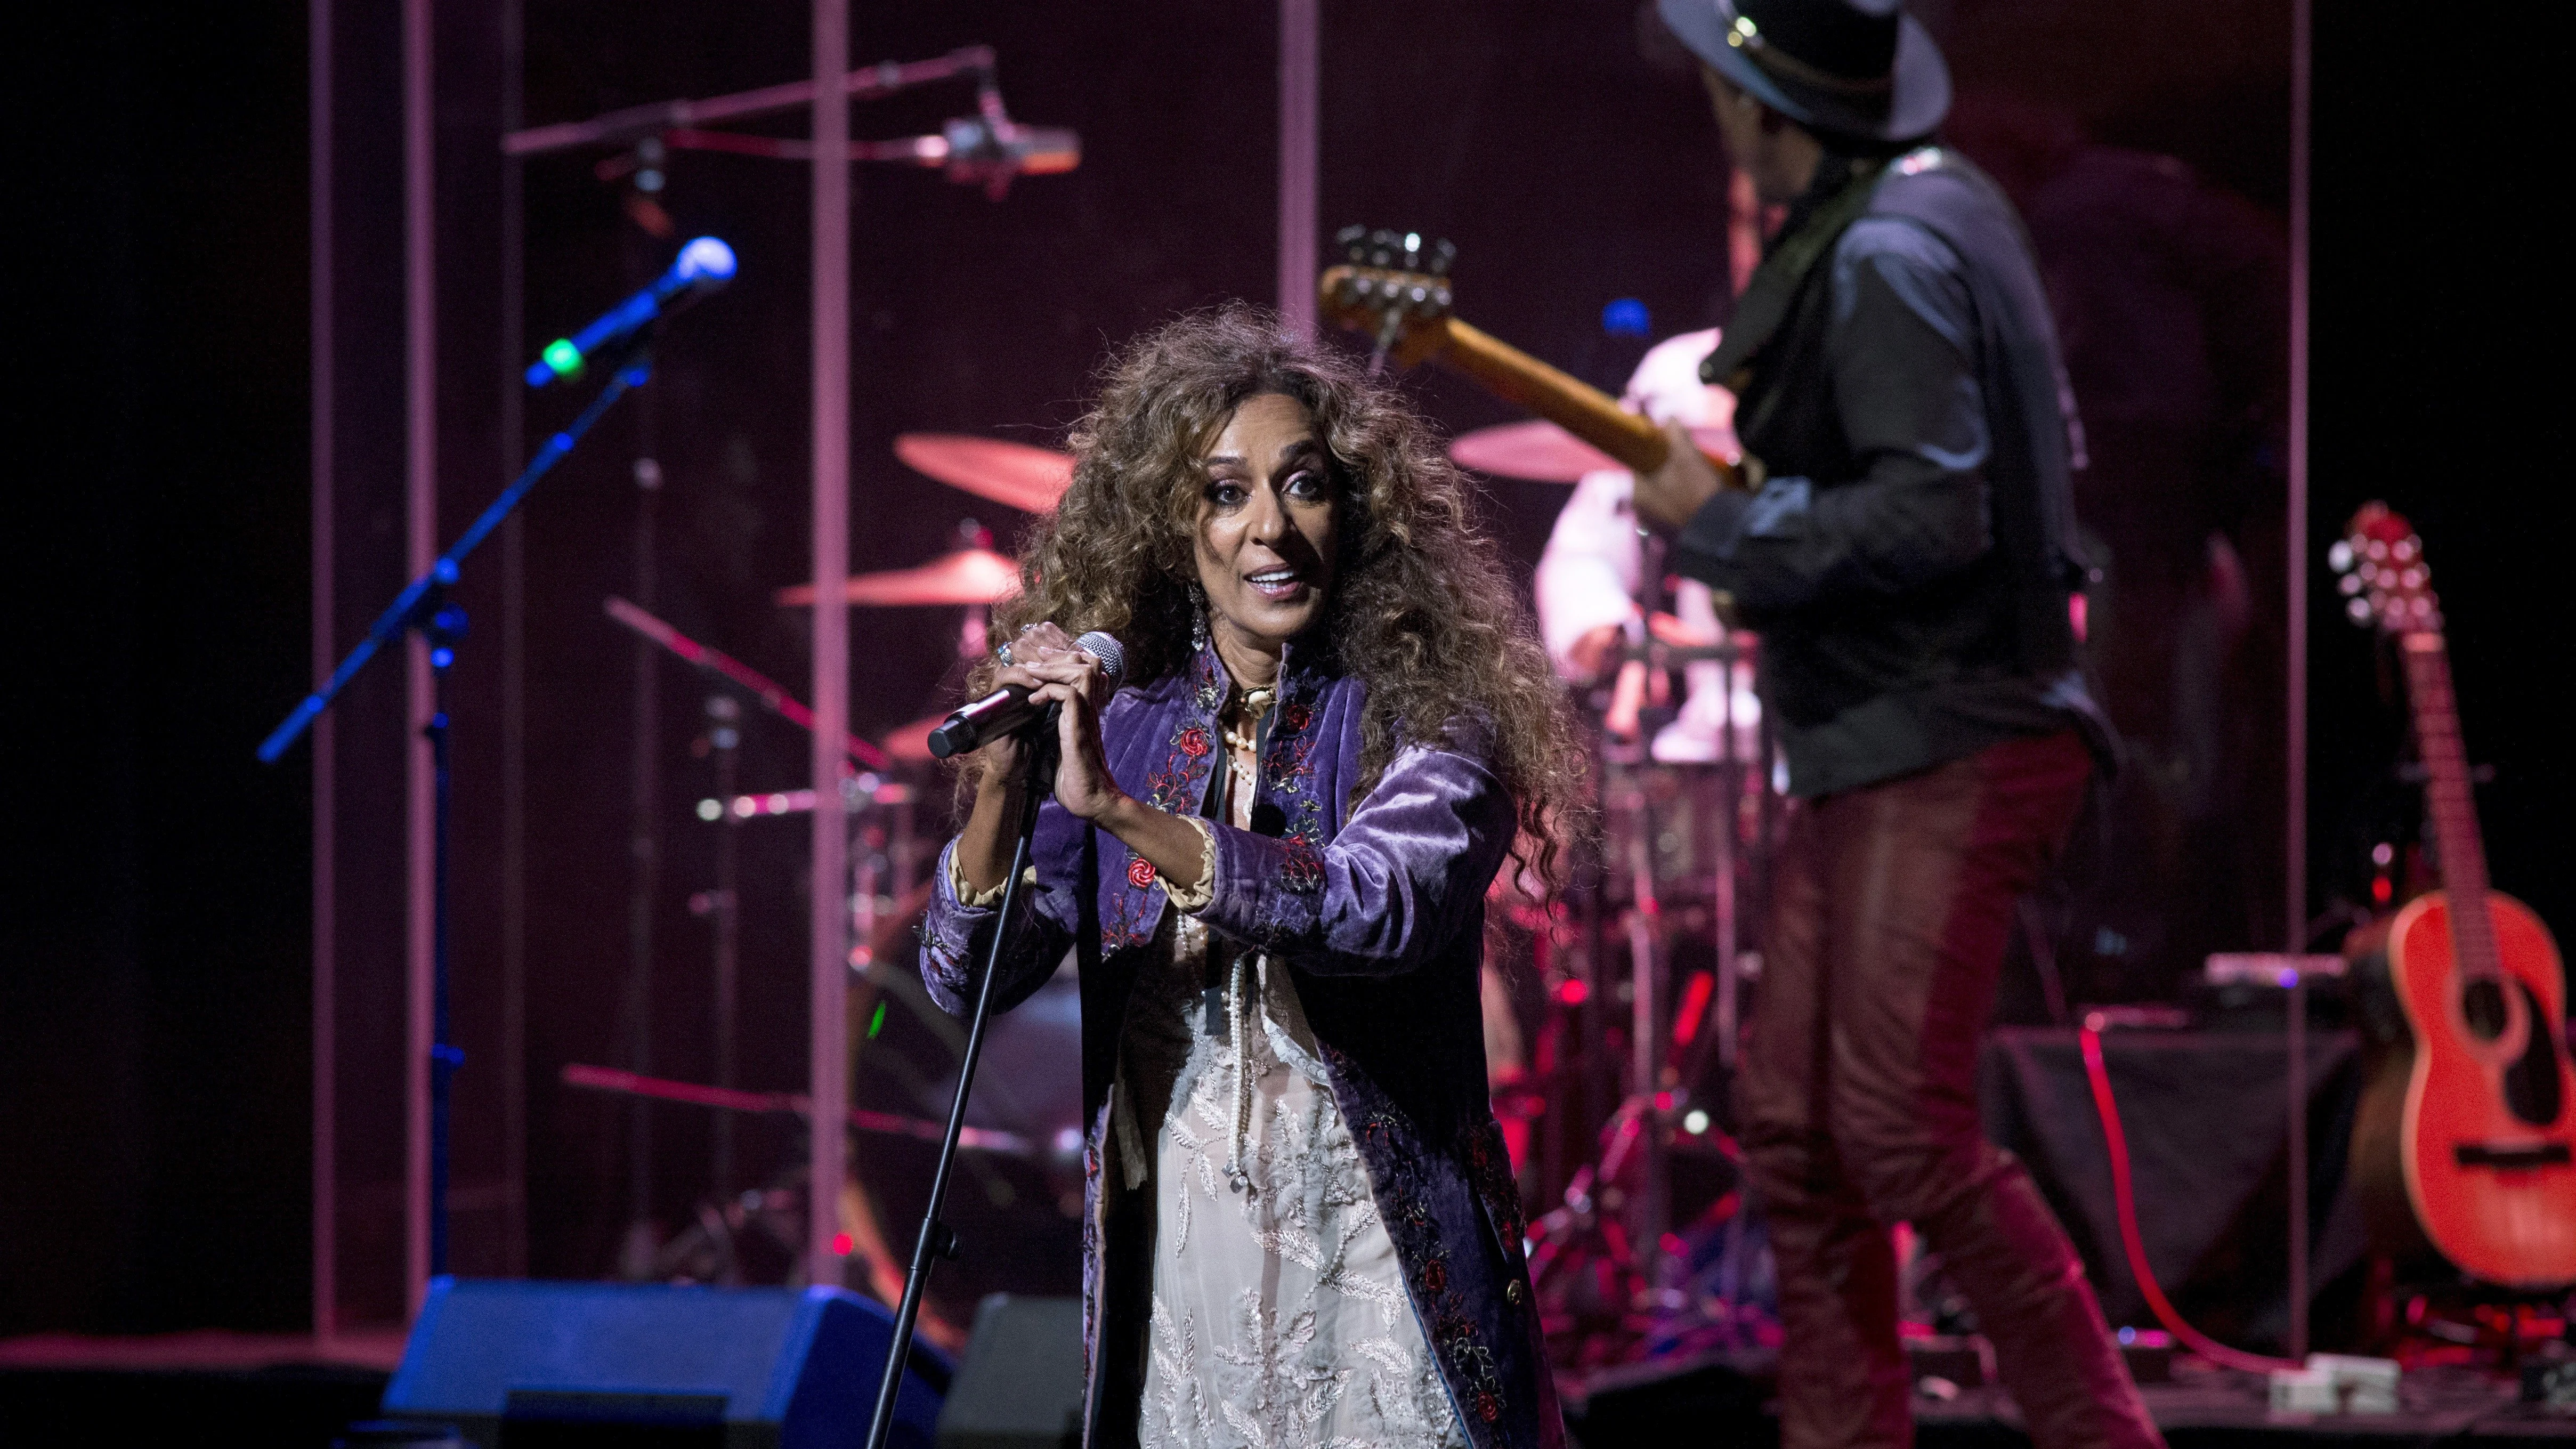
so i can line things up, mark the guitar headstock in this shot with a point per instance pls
(1392, 286)
(2385, 582)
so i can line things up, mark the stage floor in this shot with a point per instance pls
(2203, 1408)
(2206, 1405)
(289, 1390)
(293, 1391)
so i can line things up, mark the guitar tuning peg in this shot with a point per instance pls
(2359, 609)
(1382, 244)
(1413, 251)
(1353, 240)
(1443, 252)
(2339, 557)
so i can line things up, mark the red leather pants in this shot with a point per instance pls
(1857, 1103)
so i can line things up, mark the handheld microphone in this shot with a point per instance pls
(1007, 708)
(703, 266)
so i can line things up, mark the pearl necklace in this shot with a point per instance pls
(1256, 703)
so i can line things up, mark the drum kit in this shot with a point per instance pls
(1640, 964)
(1648, 1241)
(1025, 1138)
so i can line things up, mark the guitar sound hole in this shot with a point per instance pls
(2482, 1005)
(2531, 1083)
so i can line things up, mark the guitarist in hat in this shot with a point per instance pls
(1908, 558)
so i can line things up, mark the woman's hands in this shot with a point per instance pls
(1046, 663)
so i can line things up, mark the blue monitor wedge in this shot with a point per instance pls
(757, 1368)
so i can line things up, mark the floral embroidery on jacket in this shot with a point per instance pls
(1446, 1317)
(1176, 785)
(1303, 870)
(1289, 771)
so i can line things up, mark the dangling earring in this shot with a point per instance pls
(1198, 618)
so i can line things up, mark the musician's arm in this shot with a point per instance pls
(1586, 581)
(1903, 350)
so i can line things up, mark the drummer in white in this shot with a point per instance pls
(1589, 584)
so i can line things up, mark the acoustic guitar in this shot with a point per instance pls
(2486, 1136)
(1396, 289)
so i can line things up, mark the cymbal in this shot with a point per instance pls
(1537, 450)
(968, 576)
(1542, 452)
(909, 744)
(1026, 478)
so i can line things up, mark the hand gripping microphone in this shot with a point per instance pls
(1007, 708)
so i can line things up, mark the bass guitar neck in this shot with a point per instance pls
(1407, 310)
(1567, 401)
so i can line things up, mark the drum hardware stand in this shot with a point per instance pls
(1648, 1205)
(771, 695)
(728, 808)
(1722, 902)
(884, 852)
(1631, 1147)
(937, 1240)
(422, 607)
(644, 853)
(1651, 1202)
(724, 741)
(1630, 1238)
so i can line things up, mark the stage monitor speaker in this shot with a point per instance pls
(1021, 1384)
(1710, 1398)
(530, 1365)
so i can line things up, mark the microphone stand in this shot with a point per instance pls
(938, 1240)
(423, 606)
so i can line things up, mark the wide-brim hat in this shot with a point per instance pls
(1863, 69)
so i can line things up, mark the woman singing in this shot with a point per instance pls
(1268, 854)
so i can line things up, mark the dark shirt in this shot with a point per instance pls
(1908, 559)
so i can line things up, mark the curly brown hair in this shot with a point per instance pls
(1421, 610)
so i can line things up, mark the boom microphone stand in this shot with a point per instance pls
(938, 1240)
(424, 606)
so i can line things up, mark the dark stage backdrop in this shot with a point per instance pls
(154, 974)
(153, 944)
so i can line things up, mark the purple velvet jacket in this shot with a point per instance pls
(1378, 907)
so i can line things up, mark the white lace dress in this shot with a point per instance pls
(1279, 1311)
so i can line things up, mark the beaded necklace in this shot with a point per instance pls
(1241, 744)
(1242, 1006)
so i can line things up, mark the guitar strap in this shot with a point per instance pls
(1774, 284)
(2036, 531)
